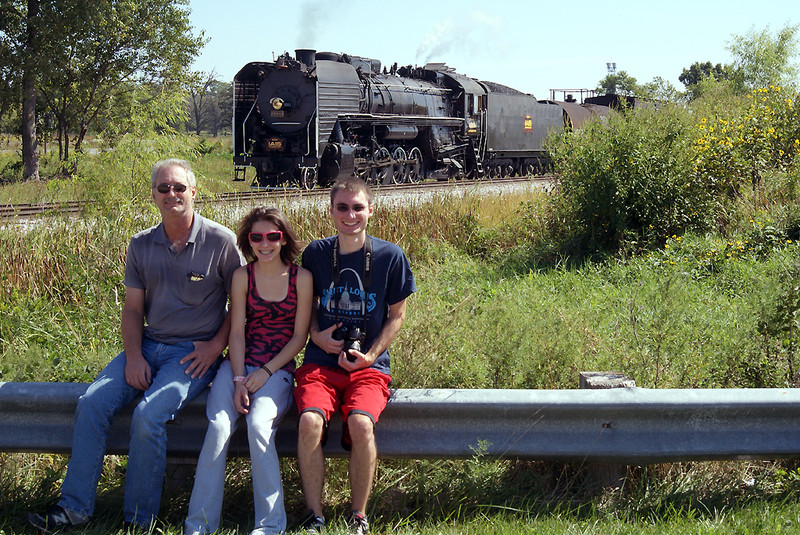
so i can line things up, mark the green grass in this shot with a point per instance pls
(462, 497)
(500, 305)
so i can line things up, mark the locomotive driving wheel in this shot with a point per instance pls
(400, 172)
(382, 172)
(530, 169)
(415, 168)
(362, 171)
(308, 178)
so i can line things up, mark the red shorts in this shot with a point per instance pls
(327, 390)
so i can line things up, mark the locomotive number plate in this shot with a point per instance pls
(274, 144)
(527, 124)
(277, 113)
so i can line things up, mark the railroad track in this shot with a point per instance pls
(75, 208)
(26, 211)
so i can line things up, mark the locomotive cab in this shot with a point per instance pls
(469, 103)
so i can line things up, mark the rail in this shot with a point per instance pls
(622, 425)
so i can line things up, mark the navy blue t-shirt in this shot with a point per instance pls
(391, 282)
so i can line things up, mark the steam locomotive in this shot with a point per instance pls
(305, 120)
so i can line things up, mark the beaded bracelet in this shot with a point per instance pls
(264, 367)
(238, 378)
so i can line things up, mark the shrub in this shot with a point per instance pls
(736, 147)
(629, 179)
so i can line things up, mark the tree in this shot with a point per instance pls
(114, 43)
(30, 150)
(700, 71)
(20, 45)
(92, 52)
(620, 83)
(695, 77)
(8, 100)
(222, 104)
(761, 59)
(209, 103)
(661, 90)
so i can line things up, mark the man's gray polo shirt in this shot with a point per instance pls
(186, 293)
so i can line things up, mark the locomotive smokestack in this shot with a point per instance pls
(305, 56)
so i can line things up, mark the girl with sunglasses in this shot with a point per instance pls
(270, 310)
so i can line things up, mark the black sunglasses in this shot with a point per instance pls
(164, 188)
(258, 237)
(346, 208)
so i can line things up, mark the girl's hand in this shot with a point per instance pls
(255, 380)
(241, 398)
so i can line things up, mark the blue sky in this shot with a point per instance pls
(529, 45)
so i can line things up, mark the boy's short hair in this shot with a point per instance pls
(353, 185)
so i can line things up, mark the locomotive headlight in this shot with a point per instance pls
(277, 103)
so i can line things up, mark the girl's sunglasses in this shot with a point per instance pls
(164, 188)
(258, 237)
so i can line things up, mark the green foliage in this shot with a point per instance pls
(61, 297)
(495, 309)
(620, 83)
(700, 71)
(133, 153)
(696, 77)
(736, 147)
(81, 60)
(761, 59)
(779, 325)
(645, 174)
(208, 103)
(11, 170)
(629, 179)
(659, 90)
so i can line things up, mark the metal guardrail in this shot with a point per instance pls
(621, 425)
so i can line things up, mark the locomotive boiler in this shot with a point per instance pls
(307, 119)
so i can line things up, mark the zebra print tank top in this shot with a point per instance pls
(270, 324)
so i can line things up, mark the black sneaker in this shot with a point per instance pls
(312, 523)
(56, 519)
(357, 523)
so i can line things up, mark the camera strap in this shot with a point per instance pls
(367, 271)
(366, 276)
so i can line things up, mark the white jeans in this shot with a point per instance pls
(267, 407)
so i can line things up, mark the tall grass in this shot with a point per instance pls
(675, 295)
(702, 311)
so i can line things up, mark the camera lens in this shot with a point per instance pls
(340, 333)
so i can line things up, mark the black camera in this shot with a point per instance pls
(352, 337)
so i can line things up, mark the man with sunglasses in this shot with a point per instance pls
(360, 288)
(174, 328)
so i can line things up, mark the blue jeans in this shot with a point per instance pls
(108, 395)
(268, 405)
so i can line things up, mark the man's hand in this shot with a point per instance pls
(202, 358)
(324, 339)
(137, 372)
(362, 360)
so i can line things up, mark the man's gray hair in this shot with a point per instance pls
(173, 162)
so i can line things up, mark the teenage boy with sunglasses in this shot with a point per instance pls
(174, 327)
(360, 286)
